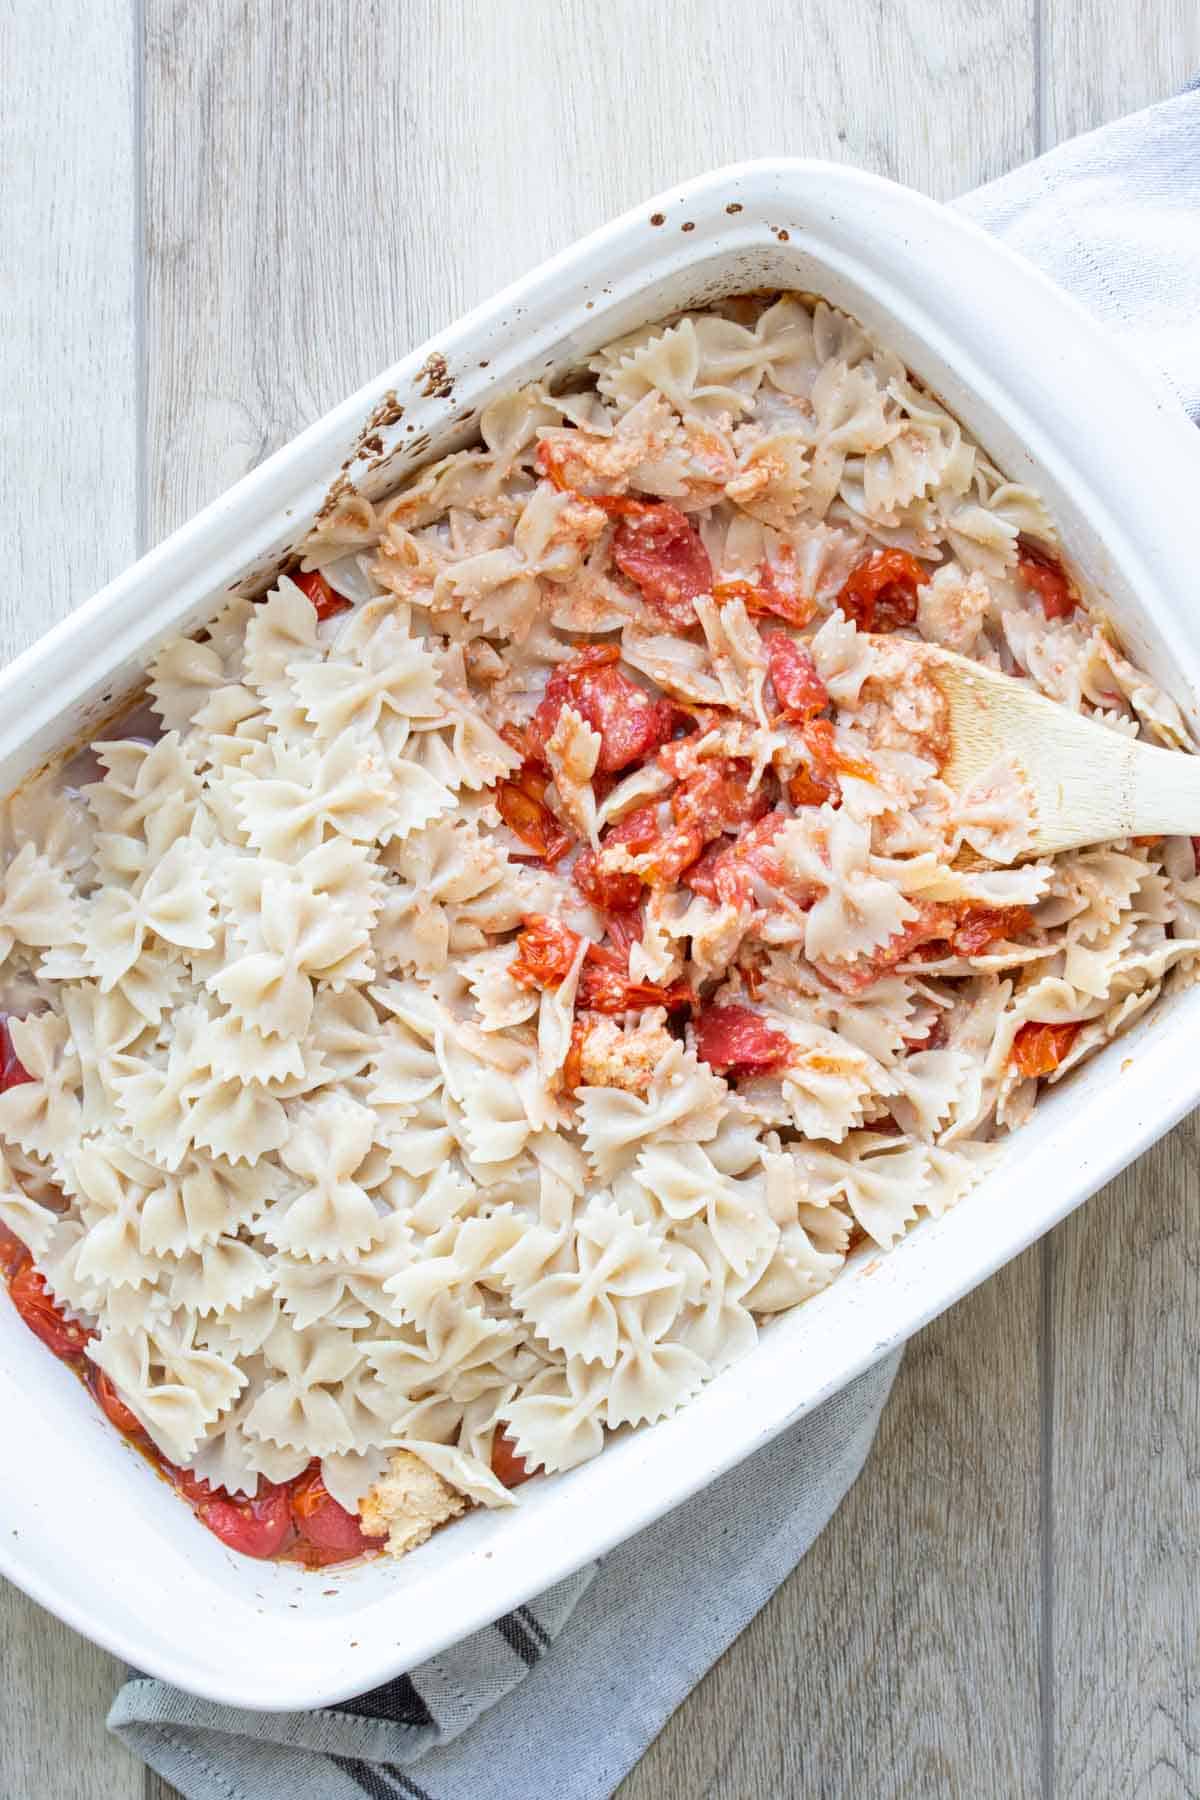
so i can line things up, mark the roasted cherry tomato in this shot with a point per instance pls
(1042, 572)
(880, 594)
(326, 602)
(13, 1254)
(735, 1041)
(798, 688)
(260, 1527)
(630, 723)
(659, 549)
(606, 986)
(980, 926)
(572, 1069)
(521, 803)
(112, 1405)
(934, 924)
(719, 797)
(191, 1486)
(1038, 1048)
(772, 595)
(617, 890)
(508, 1467)
(44, 1317)
(546, 948)
(322, 1522)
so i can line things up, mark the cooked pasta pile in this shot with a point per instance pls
(539, 942)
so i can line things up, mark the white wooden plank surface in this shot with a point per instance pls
(326, 185)
(68, 495)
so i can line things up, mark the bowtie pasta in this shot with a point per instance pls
(535, 944)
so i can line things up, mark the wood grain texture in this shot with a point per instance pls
(325, 186)
(1101, 60)
(68, 495)
(1123, 1441)
(1121, 1482)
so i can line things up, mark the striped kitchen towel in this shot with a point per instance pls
(561, 1697)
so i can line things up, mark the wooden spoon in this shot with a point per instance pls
(1089, 783)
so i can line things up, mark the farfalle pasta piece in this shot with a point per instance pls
(188, 673)
(373, 681)
(171, 902)
(684, 1103)
(329, 1214)
(880, 1179)
(176, 1389)
(684, 1182)
(313, 1391)
(147, 800)
(38, 905)
(287, 812)
(204, 1199)
(612, 1259)
(42, 1114)
(304, 937)
(22, 1212)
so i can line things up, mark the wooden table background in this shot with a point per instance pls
(217, 219)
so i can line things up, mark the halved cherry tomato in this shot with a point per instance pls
(980, 926)
(191, 1486)
(260, 1527)
(674, 852)
(546, 948)
(1042, 572)
(617, 892)
(799, 689)
(326, 601)
(730, 873)
(768, 597)
(880, 594)
(661, 551)
(112, 1405)
(1039, 1048)
(735, 1041)
(630, 723)
(718, 797)
(44, 1317)
(521, 803)
(508, 1467)
(12, 1070)
(807, 789)
(13, 1253)
(606, 986)
(625, 928)
(322, 1522)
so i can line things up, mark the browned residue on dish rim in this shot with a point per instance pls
(437, 379)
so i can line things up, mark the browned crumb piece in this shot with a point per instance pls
(409, 1503)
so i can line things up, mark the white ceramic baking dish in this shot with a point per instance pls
(84, 1526)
